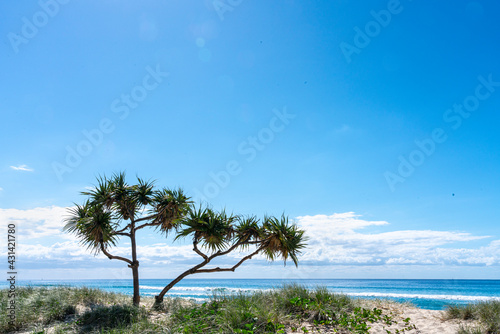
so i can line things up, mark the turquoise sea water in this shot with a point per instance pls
(428, 294)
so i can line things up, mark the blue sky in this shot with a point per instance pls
(381, 115)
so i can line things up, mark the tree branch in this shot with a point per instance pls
(147, 224)
(146, 218)
(233, 247)
(196, 269)
(159, 298)
(233, 268)
(227, 251)
(150, 217)
(111, 257)
(195, 248)
(123, 229)
(123, 234)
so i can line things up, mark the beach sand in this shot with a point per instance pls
(425, 321)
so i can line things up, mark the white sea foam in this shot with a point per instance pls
(196, 299)
(182, 291)
(202, 289)
(146, 287)
(417, 296)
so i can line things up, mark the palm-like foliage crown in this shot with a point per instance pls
(218, 231)
(112, 201)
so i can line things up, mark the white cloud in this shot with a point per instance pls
(36, 223)
(1, 189)
(61, 251)
(24, 168)
(342, 239)
(336, 239)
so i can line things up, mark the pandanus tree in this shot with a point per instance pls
(115, 209)
(215, 234)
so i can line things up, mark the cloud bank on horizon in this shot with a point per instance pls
(340, 239)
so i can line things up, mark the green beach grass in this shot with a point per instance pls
(486, 313)
(43, 306)
(285, 309)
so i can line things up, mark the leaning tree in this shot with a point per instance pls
(115, 209)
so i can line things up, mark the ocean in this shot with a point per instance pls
(427, 294)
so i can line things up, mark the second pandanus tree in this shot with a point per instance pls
(215, 234)
(115, 209)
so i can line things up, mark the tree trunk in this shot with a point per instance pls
(135, 274)
(135, 268)
(159, 298)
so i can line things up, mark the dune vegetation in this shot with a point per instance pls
(287, 309)
(282, 310)
(487, 314)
